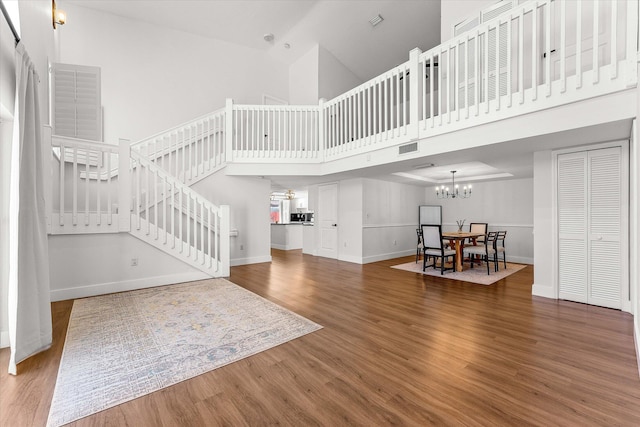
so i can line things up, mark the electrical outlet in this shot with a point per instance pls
(395, 243)
(134, 262)
(345, 244)
(242, 247)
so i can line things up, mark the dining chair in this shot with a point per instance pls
(434, 248)
(420, 244)
(500, 248)
(487, 251)
(478, 227)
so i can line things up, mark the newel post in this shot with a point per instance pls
(124, 186)
(414, 92)
(228, 130)
(321, 130)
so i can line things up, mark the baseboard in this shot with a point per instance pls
(127, 285)
(543, 291)
(350, 258)
(391, 255)
(284, 247)
(520, 260)
(4, 339)
(636, 338)
(252, 260)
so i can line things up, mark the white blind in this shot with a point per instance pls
(76, 101)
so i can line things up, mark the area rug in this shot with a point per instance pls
(125, 345)
(475, 275)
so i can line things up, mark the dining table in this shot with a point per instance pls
(456, 241)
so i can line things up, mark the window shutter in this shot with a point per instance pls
(76, 102)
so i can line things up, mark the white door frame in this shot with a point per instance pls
(319, 220)
(624, 239)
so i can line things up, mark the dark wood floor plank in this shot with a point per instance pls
(396, 348)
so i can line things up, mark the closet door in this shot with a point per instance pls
(591, 227)
(605, 227)
(572, 227)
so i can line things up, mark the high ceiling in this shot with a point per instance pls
(340, 26)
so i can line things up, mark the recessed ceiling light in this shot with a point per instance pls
(376, 20)
(287, 45)
(268, 37)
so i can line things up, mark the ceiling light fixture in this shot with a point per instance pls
(376, 20)
(268, 37)
(57, 15)
(443, 192)
(287, 46)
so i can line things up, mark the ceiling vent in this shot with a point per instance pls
(376, 20)
(408, 148)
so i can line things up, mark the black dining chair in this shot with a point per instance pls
(487, 251)
(420, 245)
(434, 248)
(500, 248)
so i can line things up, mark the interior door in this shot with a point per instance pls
(327, 219)
(592, 225)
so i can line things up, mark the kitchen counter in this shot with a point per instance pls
(286, 236)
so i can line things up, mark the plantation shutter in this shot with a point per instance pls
(76, 102)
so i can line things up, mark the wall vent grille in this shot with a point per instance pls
(408, 148)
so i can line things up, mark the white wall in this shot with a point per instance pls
(318, 74)
(543, 220)
(248, 200)
(154, 78)
(350, 220)
(454, 11)
(303, 79)
(95, 264)
(334, 78)
(504, 205)
(390, 215)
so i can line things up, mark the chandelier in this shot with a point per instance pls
(444, 193)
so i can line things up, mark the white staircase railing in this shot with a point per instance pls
(191, 151)
(105, 188)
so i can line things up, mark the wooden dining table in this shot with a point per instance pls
(456, 241)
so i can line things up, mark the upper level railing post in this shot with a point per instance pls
(414, 92)
(124, 186)
(228, 130)
(321, 130)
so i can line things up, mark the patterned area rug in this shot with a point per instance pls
(125, 345)
(476, 275)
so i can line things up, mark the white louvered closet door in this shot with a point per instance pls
(590, 227)
(572, 227)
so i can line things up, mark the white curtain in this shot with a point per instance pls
(29, 298)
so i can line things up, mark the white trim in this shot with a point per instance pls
(636, 339)
(389, 225)
(275, 100)
(495, 225)
(252, 260)
(390, 255)
(127, 285)
(4, 339)
(284, 247)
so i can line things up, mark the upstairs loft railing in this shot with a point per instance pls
(538, 55)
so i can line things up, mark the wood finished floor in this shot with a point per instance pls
(397, 348)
